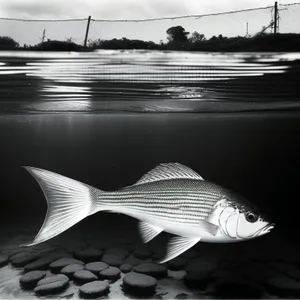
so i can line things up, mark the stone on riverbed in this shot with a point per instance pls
(51, 285)
(89, 255)
(42, 263)
(139, 284)
(284, 286)
(96, 267)
(143, 252)
(24, 260)
(84, 276)
(111, 273)
(94, 289)
(71, 269)
(112, 260)
(126, 268)
(152, 269)
(59, 264)
(30, 280)
(177, 263)
(122, 253)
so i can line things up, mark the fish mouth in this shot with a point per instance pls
(266, 229)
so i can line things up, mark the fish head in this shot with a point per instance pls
(239, 220)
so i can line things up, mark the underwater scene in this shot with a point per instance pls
(149, 175)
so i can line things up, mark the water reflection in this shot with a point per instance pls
(94, 80)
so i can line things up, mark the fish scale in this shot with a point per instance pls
(171, 197)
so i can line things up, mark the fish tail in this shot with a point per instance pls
(69, 201)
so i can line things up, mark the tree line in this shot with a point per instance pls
(177, 39)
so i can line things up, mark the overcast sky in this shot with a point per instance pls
(136, 9)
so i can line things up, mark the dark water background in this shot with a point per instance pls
(75, 115)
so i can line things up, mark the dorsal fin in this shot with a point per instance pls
(168, 171)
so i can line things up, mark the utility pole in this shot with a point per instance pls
(247, 30)
(87, 31)
(44, 35)
(275, 17)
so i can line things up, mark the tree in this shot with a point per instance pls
(7, 42)
(197, 37)
(177, 34)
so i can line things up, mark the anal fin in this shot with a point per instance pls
(178, 245)
(148, 231)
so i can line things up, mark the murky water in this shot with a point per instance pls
(233, 118)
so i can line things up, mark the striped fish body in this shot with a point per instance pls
(177, 206)
(170, 197)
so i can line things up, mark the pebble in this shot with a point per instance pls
(84, 276)
(19, 254)
(143, 252)
(122, 253)
(29, 280)
(59, 264)
(126, 268)
(177, 263)
(71, 269)
(112, 260)
(281, 266)
(96, 267)
(40, 264)
(152, 269)
(54, 278)
(89, 255)
(111, 273)
(52, 285)
(139, 284)
(134, 261)
(94, 289)
(181, 296)
(4, 260)
(24, 260)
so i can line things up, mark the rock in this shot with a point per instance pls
(24, 260)
(112, 260)
(54, 278)
(254, 271)
(134, 261)
(237, 288)
(51, 285)
(284, 286)
(122, 253)
(152, 269)
(143, 252)
(20, 254)
(96, 267)
(4, 260)
(41, 264)
(177, 264)
(84, 276)
(94, 289)
(139, 284)
(111, 273)
(69, 270)
(181, 296)
(196, 280)
(126, 268)
(59, 264)
(30, 280)
(89, 255)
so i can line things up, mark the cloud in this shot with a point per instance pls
(121, 9)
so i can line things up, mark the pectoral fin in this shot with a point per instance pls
(209, 227)
(148, 231)
(178, 245)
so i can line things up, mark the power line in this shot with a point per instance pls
(148, 19)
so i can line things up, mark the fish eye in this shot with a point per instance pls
(251, 217)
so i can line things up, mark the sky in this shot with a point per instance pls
(229, 25)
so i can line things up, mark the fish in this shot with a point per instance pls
(171, 197)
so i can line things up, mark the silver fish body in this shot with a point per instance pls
(171, 198)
